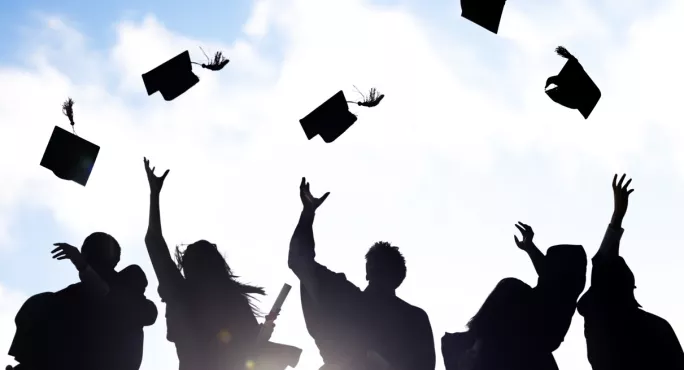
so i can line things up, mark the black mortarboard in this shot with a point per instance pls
(484, 13)
(172, 78)
(68, 156)
(574, 88)
(332, 118)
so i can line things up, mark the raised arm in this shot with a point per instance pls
(301, 258)
(528, 246)
(164, 267)
(610, 246)
(94, 284)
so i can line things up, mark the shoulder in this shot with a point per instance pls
(415, 312)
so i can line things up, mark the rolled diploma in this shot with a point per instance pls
(277, 305)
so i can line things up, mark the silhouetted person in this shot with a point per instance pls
(209, 314)
(97, 323)
(355, 329)
(620, 335)
(561, 280)
(499, 336)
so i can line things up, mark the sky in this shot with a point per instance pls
(465, 144)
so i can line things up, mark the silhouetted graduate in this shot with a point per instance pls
(355, 329)
(499, 335)
(209, 314)
(97, 323)
(174, 77)
(484, 13)
(561, 280)
(574, 88)
(619, 334)
(332, 118)
(68, 156)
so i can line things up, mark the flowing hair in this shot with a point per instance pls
(502, 308)
(245, 290)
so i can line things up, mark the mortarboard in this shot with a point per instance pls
(574, 88)
(332, 118)
(174, 77)
(68, 156)
(484, 13)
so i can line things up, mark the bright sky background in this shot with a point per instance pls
(465, 144)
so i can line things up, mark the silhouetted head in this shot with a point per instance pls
(385, 266)
(569, 265)
(204, 267)
(504, 311)
(101, 251)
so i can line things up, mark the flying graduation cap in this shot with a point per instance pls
(574, 88)
(332, 118)
(68, 156)
(174, 77)
(484, 13)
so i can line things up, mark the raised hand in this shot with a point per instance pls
(67, 251)
(272, 316)
(620, 199)
(308, 201)
(527, 234)
(155, 181)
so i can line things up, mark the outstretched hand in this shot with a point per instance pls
(156, 182)
(67, 251)
(620, 198)
(527, 234)
(308, 201)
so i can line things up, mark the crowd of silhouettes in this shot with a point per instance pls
(98, 322)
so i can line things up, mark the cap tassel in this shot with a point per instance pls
(564, 53)
(68, 110)
(214, 65)
(373, 98)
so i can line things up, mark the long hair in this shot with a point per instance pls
(211, 252)
(503, 309)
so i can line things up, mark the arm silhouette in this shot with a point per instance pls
(301, 258)
(167, 273)
(424, 357)
(610, 246)
(527, 245)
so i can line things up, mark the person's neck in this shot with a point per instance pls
(380, 291)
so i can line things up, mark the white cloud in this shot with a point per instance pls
(442, 167)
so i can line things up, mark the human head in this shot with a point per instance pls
(101, 251)
(385, 266)
(202, 261)
(569, 263)
(504, 310)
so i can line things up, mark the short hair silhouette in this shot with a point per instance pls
(385, 265)
(504, 309)
(101, 250)
(203, 264)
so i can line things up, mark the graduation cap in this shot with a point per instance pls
(574, 88)
(174, 77)
(332, 118)
(68, 156)
(484, 13)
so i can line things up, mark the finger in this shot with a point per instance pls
(153, 168)
(622, 178)
(56, 249)
(627, 184)
(323, 198)
(164, 175)
(630, 192)
(517, 241)
(520, 228)
(614, 181)
(58, 255)
(301, 186)
(62, 258)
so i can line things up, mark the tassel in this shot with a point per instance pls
(564, 53)
(68, 110)
(214, 65)
(373, 98)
